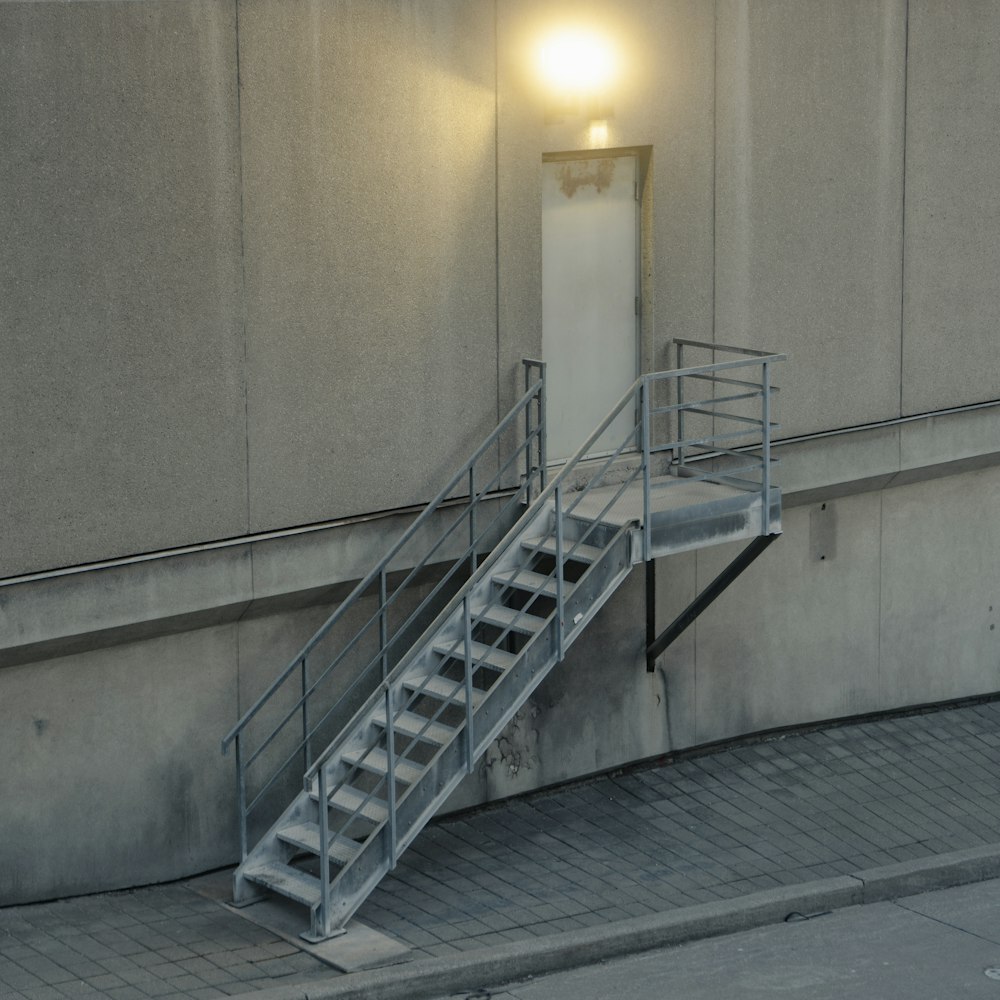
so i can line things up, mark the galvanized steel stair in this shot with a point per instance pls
(448, 700)
(430, 717)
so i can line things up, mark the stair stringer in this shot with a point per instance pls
(423, 799)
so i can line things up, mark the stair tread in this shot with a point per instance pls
(503, 617)
(411, 724)
(286, 880)
(580, 551)
(526, 579)
(377, 761)
(348, 799)
(306, 836)
(481, 652)
(444, 689)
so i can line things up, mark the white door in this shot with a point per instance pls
(590, 228)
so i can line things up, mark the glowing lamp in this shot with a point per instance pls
(577, 66)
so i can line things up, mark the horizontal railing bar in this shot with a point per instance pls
(731, 381)
(749, 450)
(744, 484)
(702, 441)
(726, 416)
(363, 585)
(717, 366)
(691, 404)
(703, 476)
(729, 350)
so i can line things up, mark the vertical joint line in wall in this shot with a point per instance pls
(246, 346)
(902, 216)
(243, 266)
(715, 143)
(496, 189)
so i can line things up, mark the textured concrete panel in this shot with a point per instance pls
(796, 637)
(112, 773)
(121, 358)
(951, 309)
(368, 145)
(809, 199)
(940, 634)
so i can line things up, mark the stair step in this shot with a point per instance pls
(481, 653)
(377, 761)
(581, 553)
(288, 881)
(504, 617)
(524, 579)
(411, 724)
(306, 837)
(348, 800)
(443, 689)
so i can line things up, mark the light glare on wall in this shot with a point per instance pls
(577, 66)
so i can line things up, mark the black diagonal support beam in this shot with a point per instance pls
(656, 646)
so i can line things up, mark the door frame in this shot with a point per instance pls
(643, 208)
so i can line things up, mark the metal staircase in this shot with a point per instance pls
(426, 706)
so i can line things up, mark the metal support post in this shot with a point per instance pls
(472, 520)
(705, 598)
(470, 745)
(241, 795)
(543, 430)
(679, 450)
(390, 776)
(560, 609)
(323, 806)
(383, 622)
(306, 741)
(647, 529)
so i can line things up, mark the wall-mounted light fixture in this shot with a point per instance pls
(577, 66)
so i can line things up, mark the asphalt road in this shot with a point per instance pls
(936, 946)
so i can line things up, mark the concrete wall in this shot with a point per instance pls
(269, 265)
(121, 372)
(370, 251)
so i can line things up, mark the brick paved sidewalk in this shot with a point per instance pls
(784, 811)
(787, 810)
(164, 941)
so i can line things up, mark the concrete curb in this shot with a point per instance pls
(509, 962)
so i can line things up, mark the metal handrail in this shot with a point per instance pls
(533, 449)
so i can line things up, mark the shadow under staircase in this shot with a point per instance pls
(427, 704)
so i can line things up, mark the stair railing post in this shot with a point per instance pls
(241, 795)
(765, 470)
(543, 430)
(470, 743)
(306, 741)
(560, 616)
(472, 519)
(646, 525)
(390, 775)
(383, 622)
(528, 471)
(323, 805)
(679, 450)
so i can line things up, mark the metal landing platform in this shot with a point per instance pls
(685, 513)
